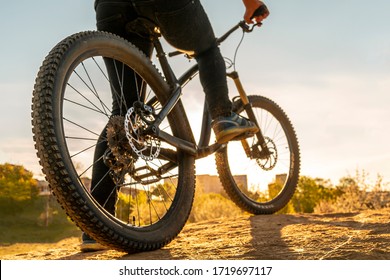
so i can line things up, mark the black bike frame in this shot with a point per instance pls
(203, 148)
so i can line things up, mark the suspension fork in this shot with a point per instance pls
(251, 115)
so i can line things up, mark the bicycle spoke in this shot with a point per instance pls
(84, 150)
(94, 91)
(97, 109)
(82, 105)
(80, 126)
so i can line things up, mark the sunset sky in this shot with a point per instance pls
(327, 63)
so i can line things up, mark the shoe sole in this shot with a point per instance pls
(93, 247)
(235, 134)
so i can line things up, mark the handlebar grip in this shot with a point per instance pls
(260, 11)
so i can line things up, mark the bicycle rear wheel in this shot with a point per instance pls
(256, 182)
(153, 182)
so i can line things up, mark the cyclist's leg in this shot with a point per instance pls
(191, 22)
(185, 25)
(212, 73)
(112, 16)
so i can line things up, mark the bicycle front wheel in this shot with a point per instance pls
(258, 182)
(145, 187)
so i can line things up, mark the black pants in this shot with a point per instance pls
(185, 25)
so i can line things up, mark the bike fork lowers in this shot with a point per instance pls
(251, 115)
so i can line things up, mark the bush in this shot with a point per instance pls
(309, 193)
(40, 220)
(212, 206)
(356, 194)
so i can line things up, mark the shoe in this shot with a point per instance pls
(233, 127)
(90, 245)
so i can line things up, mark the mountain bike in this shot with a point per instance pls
(151, 150)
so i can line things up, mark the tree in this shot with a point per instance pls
(309, 193)
(17, 183)
(17, 188)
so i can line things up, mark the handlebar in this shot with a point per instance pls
(245, 27)
(242, 24)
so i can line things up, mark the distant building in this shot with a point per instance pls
(209, 183)
(43, 188)
(281, 179)
(275, 187)
(212, 184)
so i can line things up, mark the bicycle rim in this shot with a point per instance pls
(149, 183)
(262, 184)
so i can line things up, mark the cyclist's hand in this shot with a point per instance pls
(256, 11)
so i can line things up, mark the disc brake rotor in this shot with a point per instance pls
(136, 121)
(269, 162)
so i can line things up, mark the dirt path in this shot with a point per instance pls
(363, 235)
